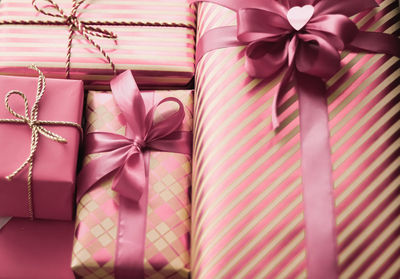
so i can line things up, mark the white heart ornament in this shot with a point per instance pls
(298, 17)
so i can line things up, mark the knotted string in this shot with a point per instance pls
(31, 120)
(75, 25)
(87, 29)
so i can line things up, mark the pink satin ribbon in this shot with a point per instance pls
(127, 157)
(309, 56)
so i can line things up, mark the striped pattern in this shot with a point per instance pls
(168, 212)
(248, 219)
(159, 56)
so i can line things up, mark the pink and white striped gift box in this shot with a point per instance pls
(248, 210)
(158, 56)
(167, 241)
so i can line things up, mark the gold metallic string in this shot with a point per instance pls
(37, 127)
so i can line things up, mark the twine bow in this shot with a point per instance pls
(76, 25)
(87, 28)
(37, 127)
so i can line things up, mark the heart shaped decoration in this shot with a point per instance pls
(298, 17)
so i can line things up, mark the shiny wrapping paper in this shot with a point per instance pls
(158, 56)
(54, 163)
(248, 217)
(168, 214)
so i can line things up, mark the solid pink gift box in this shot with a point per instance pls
(36, 250)
(54, 167)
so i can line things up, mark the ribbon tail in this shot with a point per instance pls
(376, 43)
(132, 232)
(320, 225)
(283, 88)
(98, 169)
(217, 38)
(129, 182)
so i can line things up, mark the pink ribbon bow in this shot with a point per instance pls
(273, 44)
(125, 153)
(128, 158)
(303, 38)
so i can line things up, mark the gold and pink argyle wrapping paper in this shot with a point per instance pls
(248, 217)
(158, 56)
(168, 214)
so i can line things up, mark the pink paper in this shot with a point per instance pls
(158, 56)
(36, 250)
(54, 168)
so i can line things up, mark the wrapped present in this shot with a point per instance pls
(142, 230)
(269, 200)
(36, 250)
(39, 144)
(91, 40)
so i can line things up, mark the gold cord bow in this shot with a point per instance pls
(76, 25)
(31, 119)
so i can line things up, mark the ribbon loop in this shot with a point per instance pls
(168, 125)
(143, 133)
(36, 126)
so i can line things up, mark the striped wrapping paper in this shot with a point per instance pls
(158, 56)
(168, 211)
(248, 218)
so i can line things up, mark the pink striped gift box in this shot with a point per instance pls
(160, 56)
(166, 247)
(248, 208)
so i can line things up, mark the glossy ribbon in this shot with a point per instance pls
(308, 57)
(127, 157)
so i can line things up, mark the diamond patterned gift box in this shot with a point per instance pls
(168, 214)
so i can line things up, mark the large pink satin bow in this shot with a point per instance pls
(309, 56)
(125, 153)
(128, 158)
(273, 45)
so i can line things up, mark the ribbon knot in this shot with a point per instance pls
(273, 43)
(37, 127)
(139, 144)
(76, 25)
(125, 155)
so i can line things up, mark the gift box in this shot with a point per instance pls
(167, 220)
(36, 250)
(249, 217)
(155, 39)
(49, 194)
